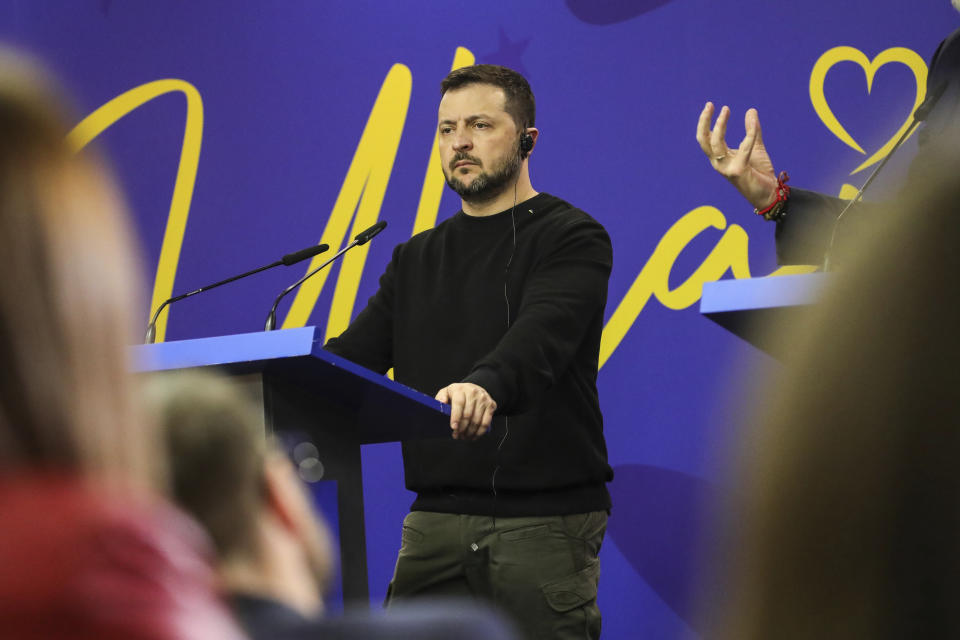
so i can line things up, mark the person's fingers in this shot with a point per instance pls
(752, 121)
(484, 417)
(703, 129)
(444, 396)
(481, 404)
(487, 419)
(718, 144)
(469, 432)
(751, 125)
(467, 415)
(456, 408)
(475, 429)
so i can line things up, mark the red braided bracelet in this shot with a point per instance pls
(778, 207)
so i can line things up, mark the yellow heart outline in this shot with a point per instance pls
(907, 57)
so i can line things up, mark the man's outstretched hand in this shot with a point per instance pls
(471, 409)
(748, 166)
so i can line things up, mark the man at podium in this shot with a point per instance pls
(498, 311)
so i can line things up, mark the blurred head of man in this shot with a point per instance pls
(244, 490)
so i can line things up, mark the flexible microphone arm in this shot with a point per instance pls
(856, 198)
(287, 260)
(361, 238)
(919, 116)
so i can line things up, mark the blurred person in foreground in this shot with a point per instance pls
(275, 557)
(845, 520)
(86, 550)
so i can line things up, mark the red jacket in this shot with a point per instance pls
(79, 563)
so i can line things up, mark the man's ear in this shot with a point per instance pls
(534, 134)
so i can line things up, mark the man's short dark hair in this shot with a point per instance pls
(217, 447)
(519, 97)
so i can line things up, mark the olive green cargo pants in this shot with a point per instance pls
(541, 571)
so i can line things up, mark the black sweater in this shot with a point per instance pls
(441, 316)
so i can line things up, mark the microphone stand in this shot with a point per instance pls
(361, 238)
(919, 116)
(867, 183)
(289, 259)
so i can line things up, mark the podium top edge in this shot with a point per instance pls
(257, 348)
(224, 350)
(762, 293)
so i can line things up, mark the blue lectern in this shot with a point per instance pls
(339, 404)
(747, 307)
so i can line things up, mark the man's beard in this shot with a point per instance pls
(956, 4)
(486, 186)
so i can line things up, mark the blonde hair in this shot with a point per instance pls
(845, 521)
(68, 286)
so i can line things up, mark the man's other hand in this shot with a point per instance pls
(471, 409)
(748, 167)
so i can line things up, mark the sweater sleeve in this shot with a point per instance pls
(563, 294)
(368, 341)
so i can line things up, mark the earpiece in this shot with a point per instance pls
(526, 144)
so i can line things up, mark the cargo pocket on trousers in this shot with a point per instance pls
(575, 590)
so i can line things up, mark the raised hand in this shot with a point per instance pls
(748, 166)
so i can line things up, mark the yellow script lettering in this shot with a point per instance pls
(98, 121)
(731, 252)
(366, 184)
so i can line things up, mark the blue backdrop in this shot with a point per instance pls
(242, 131)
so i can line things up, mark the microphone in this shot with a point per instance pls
(367, 234)
(361, 238)
(919, 115)
(303, 254)
(287, 260)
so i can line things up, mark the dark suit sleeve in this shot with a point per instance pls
(368, 341)
(803, 234)
(940, 127)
